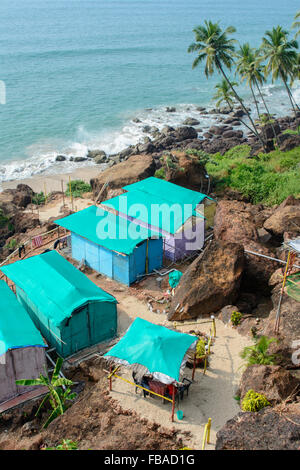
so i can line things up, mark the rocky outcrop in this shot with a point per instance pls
(286, 218)
(266, 430)
(289, 317)
(134, 169)
(239, 222)
(185, 170)
(274, 382)
(210, 282)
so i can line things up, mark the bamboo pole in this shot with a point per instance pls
(62, 190)
(277, 322)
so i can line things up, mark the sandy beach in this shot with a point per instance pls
(54, 182)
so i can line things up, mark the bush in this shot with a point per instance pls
(267, 178)
(78, 188)
(3, 219)
(12, 245)
(236, 318)
(39, 198)
(254, 401)
(258, 353)
(161, 173)
(200, 349)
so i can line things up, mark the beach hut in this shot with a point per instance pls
(22, 349)
(112, 245)
(157, 355)
(70, 311)
(173, 211)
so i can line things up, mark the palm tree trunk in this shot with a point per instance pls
(241, 103)
(255, 100)
(267, 109)
(288, 92)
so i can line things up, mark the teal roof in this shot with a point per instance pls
(168, 191)
(54, 285)
(106, 229)
(153, 210)
(16, 327)
(155, 347)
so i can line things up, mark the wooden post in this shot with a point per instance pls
(208, 430)
(194, 367)
(71, 195)
(173, 404)
(110, 379)
(62, 190)
(45, 192)
(277, 322)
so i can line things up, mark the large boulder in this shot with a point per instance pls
(266, 430)
(186, 170)
(136, 168)
(184, 133)
(289, 317)
(286, 218)
(288, 142)
(210, 282)
(274, 382)
(239, 222)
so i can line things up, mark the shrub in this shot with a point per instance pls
(78, 188)
(39, 198)
(12, 244)
(254, 401)
(236, 318)
(200, 349)
(161, 173)
(258, 353)
(3, 219)
(66, 444)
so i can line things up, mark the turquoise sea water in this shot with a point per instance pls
(77, 71)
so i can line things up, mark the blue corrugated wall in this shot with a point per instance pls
(123, 268)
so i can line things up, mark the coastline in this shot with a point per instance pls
(53, 182)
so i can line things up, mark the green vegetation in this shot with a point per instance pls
(236, 318)
(59, 394)
(39, 199)
(78, 188)
(3, 219)
(66, 444)
(265, 179)
(254, 401)
(12, 244)
(161, 173)
(291, 132)
(258, 353)
(200, 349)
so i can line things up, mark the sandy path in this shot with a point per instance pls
(211, 395)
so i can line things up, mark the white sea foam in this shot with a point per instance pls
(42, 155)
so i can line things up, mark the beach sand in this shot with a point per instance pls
(53, 182)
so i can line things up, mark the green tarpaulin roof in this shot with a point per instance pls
(155, 347)
(54, 285)
(106, 229)
(169, 191)
(16, 327)
(153, 209)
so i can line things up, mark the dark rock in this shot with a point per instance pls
(60, 158)
(170, 109)
(210, 282)
(274, 382)
(226, 312)
(265, 430)
(288, 142)
(183, 133)
(191, 122)
(80, 159)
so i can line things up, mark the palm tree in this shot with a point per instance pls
(296, 24)
(58, 394)
(214, 46)
(281, 56)
(250, 70)
(258, 353)
(224, 94)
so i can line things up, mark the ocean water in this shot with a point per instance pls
(77, 72)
